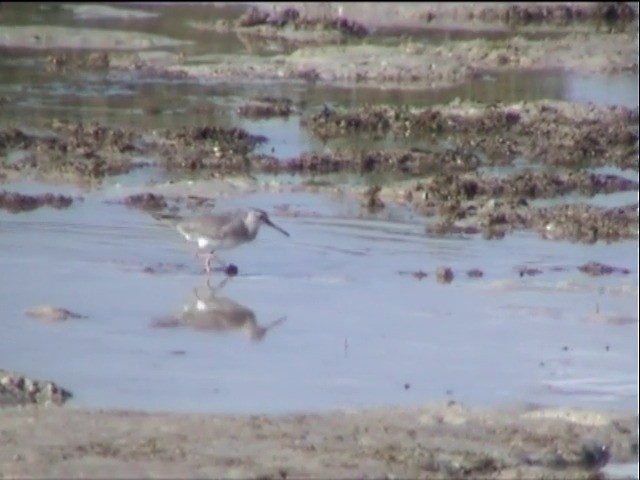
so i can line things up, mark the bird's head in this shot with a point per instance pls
(256, 217)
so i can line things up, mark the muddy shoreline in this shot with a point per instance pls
(438, 441)
(447, 440)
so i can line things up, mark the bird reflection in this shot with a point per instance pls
(208, 310)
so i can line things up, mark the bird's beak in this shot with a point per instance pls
(273, 225)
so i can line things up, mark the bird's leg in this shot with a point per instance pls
(212, 256)
(207, 266)
(198, 254)
(208, 257)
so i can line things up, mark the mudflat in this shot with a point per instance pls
(436, 441)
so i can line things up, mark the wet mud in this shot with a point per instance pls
(519, 187)
(157, 202)
(413, 161)
(324, 43)
(473, 15)
(556, 135)
(587, 224)
(419, 66)
(94, 151)
(551, 133)
(288, 27)
(291, 18)
(146, 201)
(69, 149)
(471, 204)
(15, 202)
(62, 62)
(222, 150)
(524, 14)
(591, 136)
(266, 107)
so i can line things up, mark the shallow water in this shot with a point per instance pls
(360, 329)
(356, 331)
(137, 99)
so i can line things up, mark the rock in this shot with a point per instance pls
(51, 313)
(19, 390)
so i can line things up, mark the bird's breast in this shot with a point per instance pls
(203, 242)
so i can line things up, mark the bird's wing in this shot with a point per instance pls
(213, 226)
(235, 228)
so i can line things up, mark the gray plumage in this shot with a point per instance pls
(222, 231)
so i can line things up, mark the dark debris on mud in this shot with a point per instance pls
(266, 107)
(223, 150)
(15, 202)
(586, 223)
(558, 13)
(407, 161)
(146, 201)
(88, 151)
(60, 62)
(577, 223)
(475, 273)
(444, 189)
(553, 133)
(371, 199)
(223, 138)
(446, 275)
(443, 274)
(549, 132)
(157, 202)
(96, 151)
(596, 269)
(529, 271)
(292, 18)
(472, 203)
